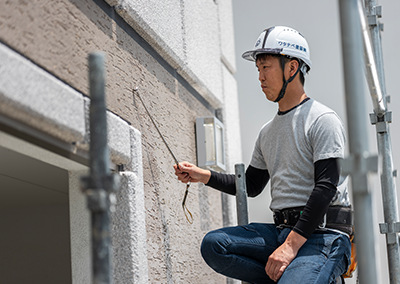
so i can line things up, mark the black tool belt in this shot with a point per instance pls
(337, 217)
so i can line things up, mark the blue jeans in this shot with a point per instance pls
(242, 252)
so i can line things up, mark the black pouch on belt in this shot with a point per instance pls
(340, 218)
(337, 217)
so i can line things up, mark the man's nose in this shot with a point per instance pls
(260, 76)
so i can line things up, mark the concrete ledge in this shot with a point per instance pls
(129, 232)
(31, 95)
(129, 225)
(135, 164)
(118, 139)
(131, 16)
(43, 102)
(118, 136)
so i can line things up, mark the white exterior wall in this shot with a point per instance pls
(124, 147)
(152, 241)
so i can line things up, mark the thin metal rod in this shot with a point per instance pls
(98, 201)
(155, 125)
(352, 50)
(388, 185)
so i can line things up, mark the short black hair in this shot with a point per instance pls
(286, 59)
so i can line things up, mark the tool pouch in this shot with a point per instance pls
(340, 218)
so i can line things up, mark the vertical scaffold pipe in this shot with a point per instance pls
(388, 185)
(352, 50)
(241, 197)
(99, 184)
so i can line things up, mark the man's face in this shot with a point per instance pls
(270, 76)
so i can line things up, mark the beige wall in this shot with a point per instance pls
(58, 36)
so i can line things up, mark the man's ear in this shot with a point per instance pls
(294, 64)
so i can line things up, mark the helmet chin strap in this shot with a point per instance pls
(285, 82)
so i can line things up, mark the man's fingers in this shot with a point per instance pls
(274, 269)
(269, 269)
(183, 177)
(280, 272)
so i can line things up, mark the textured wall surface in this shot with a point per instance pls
(182, 65)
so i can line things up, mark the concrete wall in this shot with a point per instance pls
(180, 55)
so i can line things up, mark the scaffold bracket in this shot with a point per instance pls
(381, 122)
(391, 231)
(361, 164)
(358, 166)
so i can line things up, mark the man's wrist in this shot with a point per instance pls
(295, 241)
(206, 175)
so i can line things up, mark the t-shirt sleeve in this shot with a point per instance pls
(257, 159)
(327, 137)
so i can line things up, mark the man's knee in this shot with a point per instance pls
(213, 247)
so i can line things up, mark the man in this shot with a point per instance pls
(297, 151)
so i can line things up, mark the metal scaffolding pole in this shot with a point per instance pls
(241, 197)
(376, 83)
(359, 164)
(99, 187)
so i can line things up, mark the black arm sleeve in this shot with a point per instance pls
(256, 180)
(326, 176)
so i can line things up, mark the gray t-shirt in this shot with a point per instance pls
(290, 144)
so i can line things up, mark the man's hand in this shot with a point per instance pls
(280, 259)
(187, 172)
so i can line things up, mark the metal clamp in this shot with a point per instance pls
(101, 199)
(381, 122)
(391, 231)
(357, 166)
(361, 164)
(373, 19)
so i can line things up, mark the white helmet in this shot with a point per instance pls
(284, 41)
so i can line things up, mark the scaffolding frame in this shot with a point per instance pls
(100, 186)
(360, 31)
